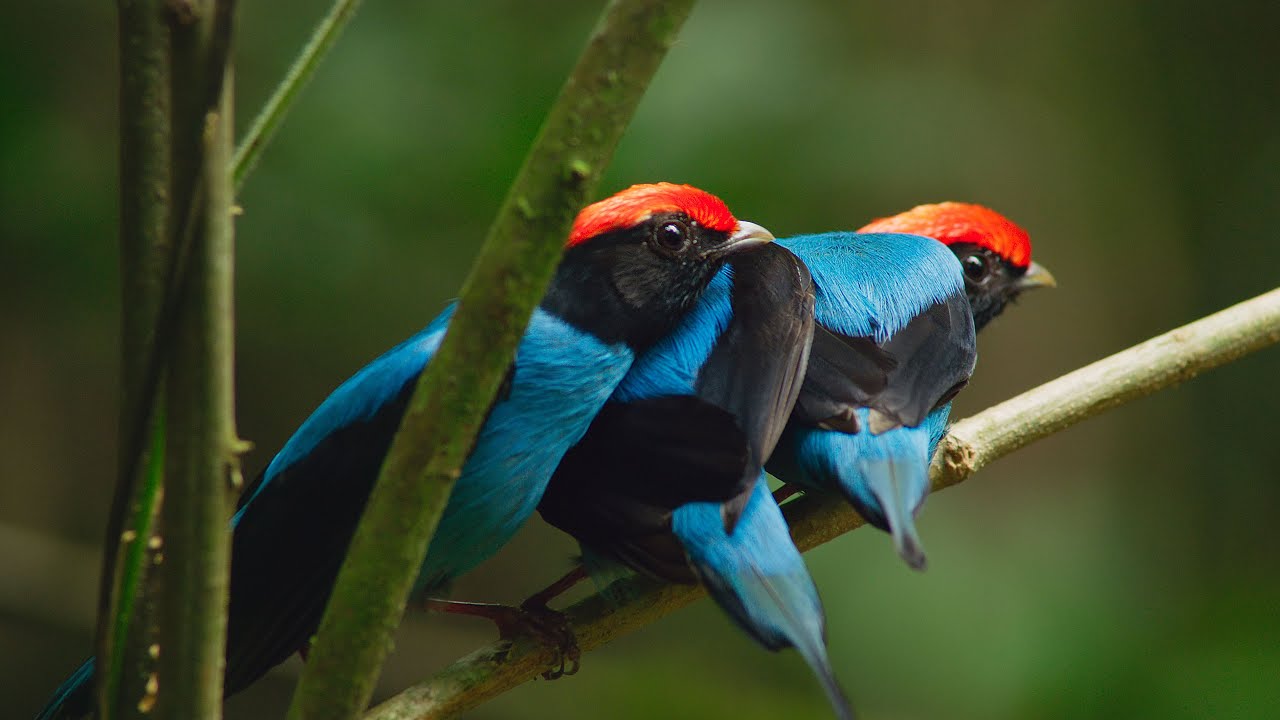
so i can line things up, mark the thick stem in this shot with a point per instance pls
(972, 443)
(201, 469)
(454, 394)
(145, 248)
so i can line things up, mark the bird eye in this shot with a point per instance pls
(672, 236)
(975, 267)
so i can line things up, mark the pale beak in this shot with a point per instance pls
(1036, 277)
(747, 235)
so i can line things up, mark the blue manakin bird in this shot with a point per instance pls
(692, 423)
(867, 422)
(653, 511)
(633, 265)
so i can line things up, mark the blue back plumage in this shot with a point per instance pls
(562, 377)
(872, 284)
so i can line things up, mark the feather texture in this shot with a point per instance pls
(757, 575)
(743, 348)
(901, 343)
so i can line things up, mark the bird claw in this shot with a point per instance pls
(786, 492)
(552, 629)
(531, 619)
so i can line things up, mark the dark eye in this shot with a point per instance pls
(975, 267)
(671, 236)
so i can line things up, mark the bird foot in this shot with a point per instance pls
(786, 492)
(531, 619)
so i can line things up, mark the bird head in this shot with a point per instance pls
(994, 252)
(637, 261)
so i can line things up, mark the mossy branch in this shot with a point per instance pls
(453, 396)
(972, 443)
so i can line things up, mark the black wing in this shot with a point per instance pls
(289, 543)
(844, 373)
(758, 365)
(901, 380)
(936, 354)
(616, 489)
(639, 461)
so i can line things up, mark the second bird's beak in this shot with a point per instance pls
(1036, 277)
(747, 235)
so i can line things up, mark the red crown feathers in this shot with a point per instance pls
(637, 203)
(953, 222)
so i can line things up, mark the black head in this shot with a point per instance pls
(992, 282)
(993, 250)
(636, 262)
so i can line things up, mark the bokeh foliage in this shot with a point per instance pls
(1126, 567)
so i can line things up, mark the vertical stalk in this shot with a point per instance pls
(201, 469)
(121, 642)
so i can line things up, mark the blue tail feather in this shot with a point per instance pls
(893, 475)
(884, 476)
(758, 577)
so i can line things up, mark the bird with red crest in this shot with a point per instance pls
(633, 265)
(895, 343)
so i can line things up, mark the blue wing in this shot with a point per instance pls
(292, 532)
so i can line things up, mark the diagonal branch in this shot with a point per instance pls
(454, 394)
(286, 93)
(973, 443)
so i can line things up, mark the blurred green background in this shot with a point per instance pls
(1126, 567)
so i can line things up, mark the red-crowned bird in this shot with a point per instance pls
(868, 421)
(690, 424)
(634, 264)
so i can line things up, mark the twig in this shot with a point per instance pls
(304, 66)
(1158, 363)
(454, 394)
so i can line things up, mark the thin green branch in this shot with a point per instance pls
(201, 468)
(304, 66)
(452, 397)
(972, 443)
(145, 249)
